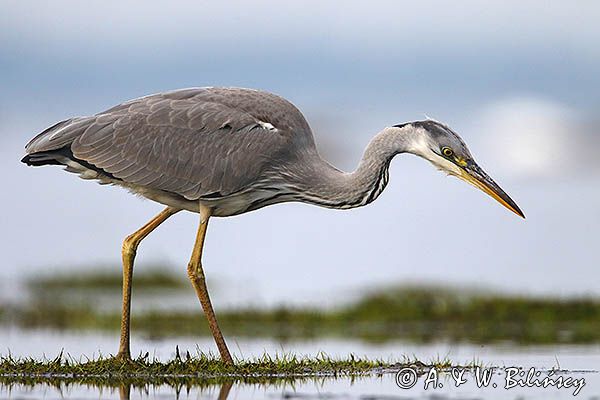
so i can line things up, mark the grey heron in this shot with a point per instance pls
(220, 152)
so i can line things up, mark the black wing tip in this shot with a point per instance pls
(27, 160)
(39, 159)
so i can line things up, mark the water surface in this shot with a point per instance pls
(574, 361)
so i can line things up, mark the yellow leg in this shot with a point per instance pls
(130, 245)
(196, 275)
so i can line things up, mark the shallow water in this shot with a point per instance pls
(577, 362)
(365, 387)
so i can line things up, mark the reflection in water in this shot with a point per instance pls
(372, 386)
(125, 391)
(224, 391)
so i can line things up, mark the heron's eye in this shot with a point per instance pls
(447, 151)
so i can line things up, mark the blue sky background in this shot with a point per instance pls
(518, 80)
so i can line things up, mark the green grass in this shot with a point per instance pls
(411, 313)
(188, 365)
(419, 314)
(152, 277)
(200, 369)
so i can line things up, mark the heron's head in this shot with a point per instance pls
(446, 150)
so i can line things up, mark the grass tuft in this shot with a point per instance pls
(198, 369)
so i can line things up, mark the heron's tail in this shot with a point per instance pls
(53, 144)
(43, 158)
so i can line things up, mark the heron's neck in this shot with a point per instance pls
(330, 187)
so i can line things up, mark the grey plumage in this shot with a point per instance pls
(190, 142)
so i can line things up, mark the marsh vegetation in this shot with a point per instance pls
(418, 314)
(407, 314)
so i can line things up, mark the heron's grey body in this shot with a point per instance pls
(232, 149)
(226, 151)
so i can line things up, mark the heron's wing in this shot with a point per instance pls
(191, 147)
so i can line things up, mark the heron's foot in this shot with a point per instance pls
(123, 356)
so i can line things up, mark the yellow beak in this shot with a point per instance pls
(474, 175)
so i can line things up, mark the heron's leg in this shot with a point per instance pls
(130, 245)
(196, 275)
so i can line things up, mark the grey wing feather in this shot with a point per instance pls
(193, 142)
